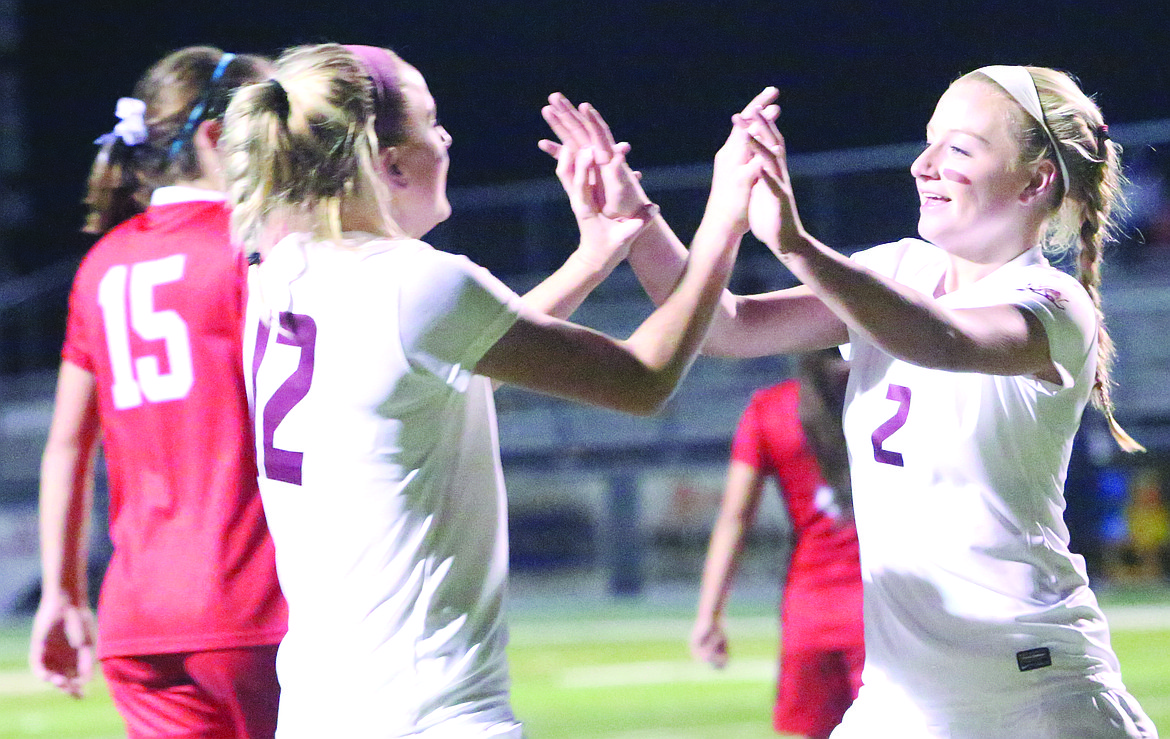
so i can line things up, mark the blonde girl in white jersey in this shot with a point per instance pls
(370, 359)
(972, 360)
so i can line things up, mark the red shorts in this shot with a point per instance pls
(816, 686)
(220, 694)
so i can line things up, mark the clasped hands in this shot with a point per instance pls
(750, 184)
(610, 206)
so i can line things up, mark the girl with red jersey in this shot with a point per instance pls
(190, 611)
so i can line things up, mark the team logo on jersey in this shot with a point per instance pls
(1049, 294)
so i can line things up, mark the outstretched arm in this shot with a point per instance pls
(741, 498)
(64, 633)
(910, 325)
(743, 326)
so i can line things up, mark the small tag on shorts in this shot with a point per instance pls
(1033, 659)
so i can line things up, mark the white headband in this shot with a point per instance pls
(1018, 82)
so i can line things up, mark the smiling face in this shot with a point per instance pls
(418, 166)
(973, 189)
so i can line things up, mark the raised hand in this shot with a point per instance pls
(579, 127)
(772, 212)
(605, 240)
(736, 171)
(607, 200)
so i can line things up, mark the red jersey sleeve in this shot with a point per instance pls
(747, 444)
(77, 349)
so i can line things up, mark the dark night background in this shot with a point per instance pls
(666, 74)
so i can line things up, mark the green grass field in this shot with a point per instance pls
(614, 671)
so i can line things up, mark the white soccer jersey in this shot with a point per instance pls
(381, 482)
(972, 598)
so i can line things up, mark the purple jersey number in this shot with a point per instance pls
(897, 421)
(299, 331)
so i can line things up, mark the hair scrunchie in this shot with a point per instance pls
(131, 125)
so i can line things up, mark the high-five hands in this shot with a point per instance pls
(582, 127)
(739, 166)
(772, 212)
(608, 198)
(610, 206)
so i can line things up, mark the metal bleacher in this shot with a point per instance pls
(522, 231)
(838, 189)
(586, 457)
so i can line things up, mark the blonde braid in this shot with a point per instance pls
(1089, 275)
(1085, 216)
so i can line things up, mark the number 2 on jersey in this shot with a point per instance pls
(902, 395)
(299, 331)
(136, 379)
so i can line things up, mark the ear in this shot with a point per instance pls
(204, 142)
(1042, 183)
(390, 157)
(208, 133)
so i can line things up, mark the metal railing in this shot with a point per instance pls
(617, 469)
(524, 230)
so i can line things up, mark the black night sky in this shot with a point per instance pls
(666, 74)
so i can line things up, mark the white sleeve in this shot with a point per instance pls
(451, 312)
(912, 262)
(1066, 311)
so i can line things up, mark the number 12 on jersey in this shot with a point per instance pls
(299, 331)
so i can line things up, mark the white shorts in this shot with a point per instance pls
(1106, 714)
(472, 730)
(492, 724)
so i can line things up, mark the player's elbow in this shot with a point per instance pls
(649, 401)
(648, 392)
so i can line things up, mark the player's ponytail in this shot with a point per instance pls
(1086, 219)
(299, 144)
(151, 144)
(114, 191)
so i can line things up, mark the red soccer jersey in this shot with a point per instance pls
(822, 592)
(156, 315)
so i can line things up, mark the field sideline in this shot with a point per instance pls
(617, 671)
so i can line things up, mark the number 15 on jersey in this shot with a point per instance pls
(126, 298)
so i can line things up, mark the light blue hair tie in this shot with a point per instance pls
(197, 111)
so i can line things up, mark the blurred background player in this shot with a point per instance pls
(190, 611)
(791, 432)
